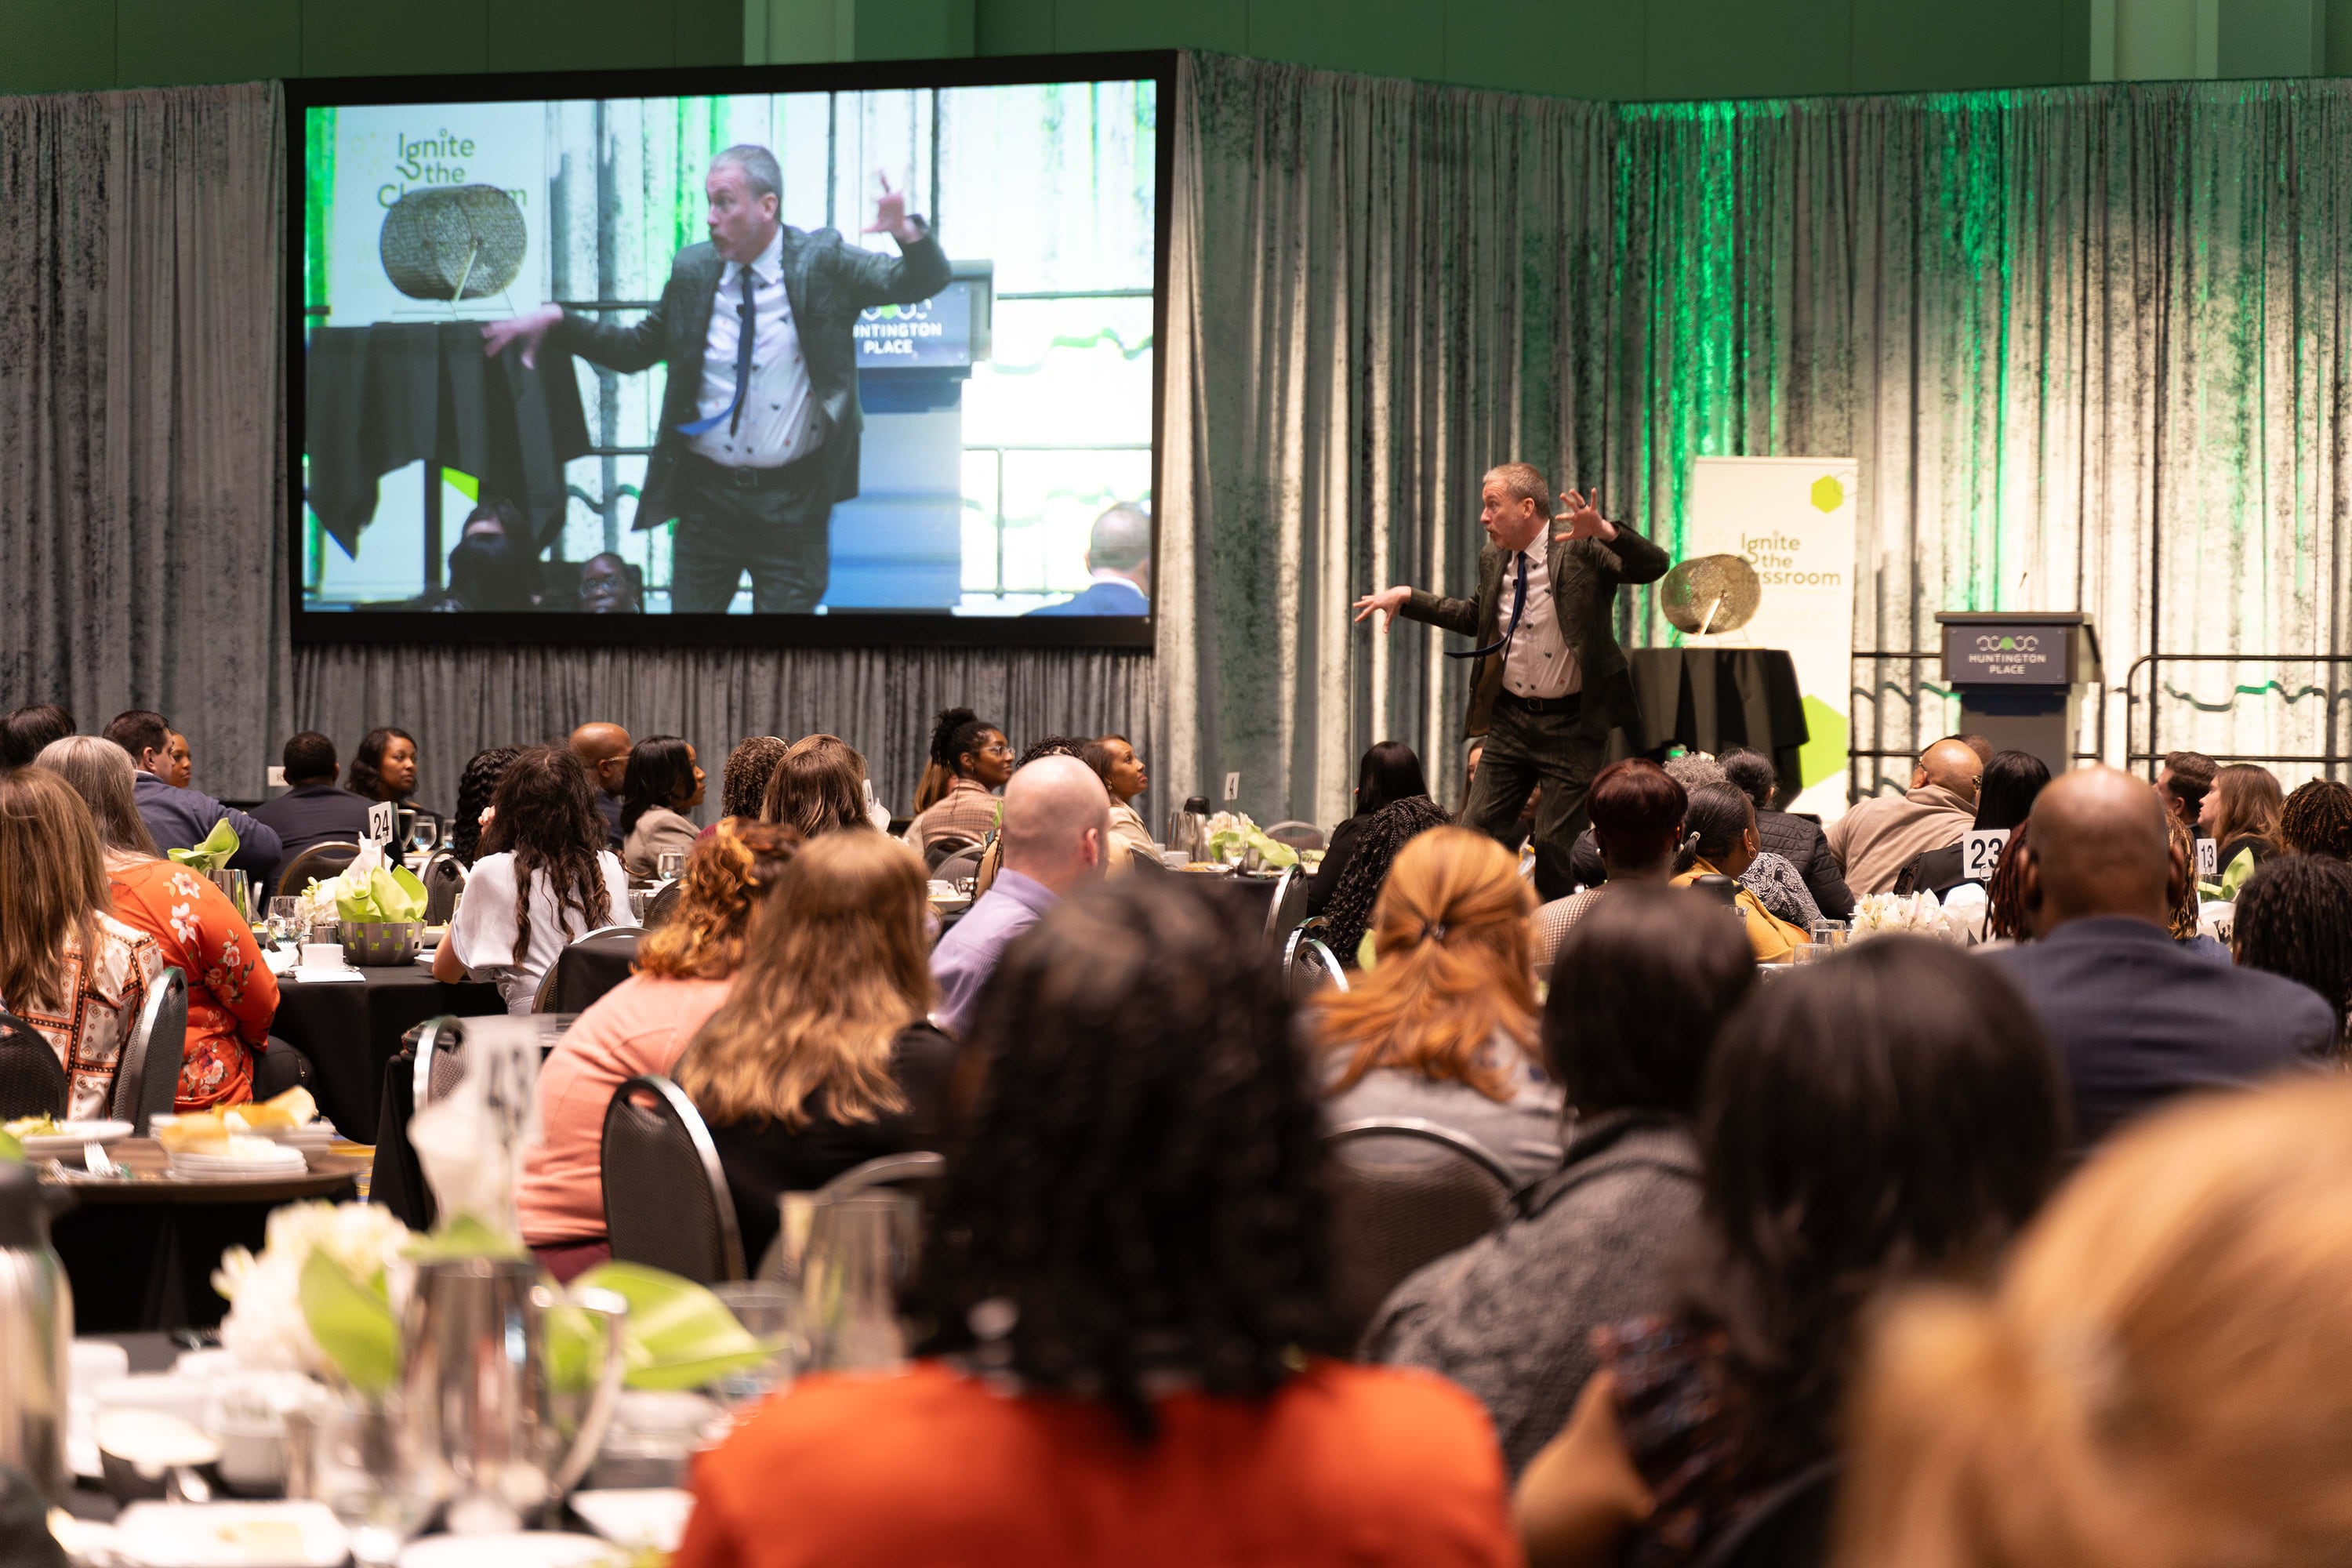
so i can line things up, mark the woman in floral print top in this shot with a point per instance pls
(232, 995)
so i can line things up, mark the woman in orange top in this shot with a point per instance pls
(1125, 1283)
(232, 995)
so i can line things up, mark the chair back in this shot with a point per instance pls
(918, 1168)
(32, 1081)
(1297, 835)
(317, 863)
(663, 906)
(440, 1059)
(964, 862)
(1308, 966)
(1404, 1192)
(444, 878)
(1288, 906)
(666, 1203)
(1788, 1527)
(147, 1075)
(588, 967)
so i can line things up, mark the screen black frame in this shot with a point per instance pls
(854, 628)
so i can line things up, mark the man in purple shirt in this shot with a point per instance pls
(1056, 823)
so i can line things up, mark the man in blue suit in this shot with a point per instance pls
(1118, 556)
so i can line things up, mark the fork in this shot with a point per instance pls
(95, 1160)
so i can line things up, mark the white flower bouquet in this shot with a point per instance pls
(1959, 920)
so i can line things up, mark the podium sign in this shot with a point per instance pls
(2021, 674)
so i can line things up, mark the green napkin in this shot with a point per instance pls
(11, 1150)
(213, 853)
(387, 896)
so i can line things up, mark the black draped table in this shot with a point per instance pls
(1715, 699)
(350, 1029)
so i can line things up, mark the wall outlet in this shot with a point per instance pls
(1233, 786)
(276, 778)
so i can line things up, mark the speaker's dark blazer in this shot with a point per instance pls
(828, 282)
(1585, 574)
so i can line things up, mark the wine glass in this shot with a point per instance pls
(671, 864)
(424, 832)
(285, 920)
(365, 1466)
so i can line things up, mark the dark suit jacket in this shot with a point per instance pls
(1101, 599)
(1800, 841)
(313, 813)
(183, 818)
(1338, 850)
(1584, 579)
(828, 283)
(2137, 1018)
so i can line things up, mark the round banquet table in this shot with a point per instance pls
(350, 1029)
(141, 1253)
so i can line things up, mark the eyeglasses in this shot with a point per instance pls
(1000, 747)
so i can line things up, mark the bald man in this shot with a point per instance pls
(2137, 1016)
(1878, 837)
(1119, 565)
(603, 748)
(1055, 833)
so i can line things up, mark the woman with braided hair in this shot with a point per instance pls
(475, 788)
(2294, 918)
(2318, 820)
(544, 878)
(1124, 1286)
(1378, 840)
(979, 759)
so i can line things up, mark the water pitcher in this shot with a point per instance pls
(36, 1328)
(481, 1393)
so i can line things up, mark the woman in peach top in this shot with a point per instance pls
(1125, 1280)
(640, 1027)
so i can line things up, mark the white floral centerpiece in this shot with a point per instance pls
(266, 1326)
(1958, 920)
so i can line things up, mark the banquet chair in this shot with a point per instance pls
(939, 849)
(1308, 966)
(444, 878)
(33, 1081)
(663, 906)
(315, 864)
(147, 1075)
(588, 967)
(964, 862)
(440, 1060)
(666, 1204)
(1288, 906)
(1404, 1192)
(1788, 1528)
(919, 1169)
(1297, 835)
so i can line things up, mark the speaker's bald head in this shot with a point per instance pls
(2099, 848)
(1950, 765)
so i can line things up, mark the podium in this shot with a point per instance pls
(2020, 676)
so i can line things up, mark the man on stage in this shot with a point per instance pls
(1550, 681)
(761, 419)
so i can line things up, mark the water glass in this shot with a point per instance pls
(766, 1311)
(1828, 937)
(424, 832)
(639, 899)
(365, 1464)
(285, 920)
(860, 1253)
(671, 864)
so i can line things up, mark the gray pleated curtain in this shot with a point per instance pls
(2085, 342)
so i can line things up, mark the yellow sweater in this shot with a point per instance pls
(1773, 938)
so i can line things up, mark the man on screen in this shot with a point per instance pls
(1118, 558)
(759, 423)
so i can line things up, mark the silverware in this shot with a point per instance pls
(95, 1160)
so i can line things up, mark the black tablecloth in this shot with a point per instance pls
(1714, 699)
(382, 397)
(349, 1031)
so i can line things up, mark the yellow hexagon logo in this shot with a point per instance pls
(1827, 494)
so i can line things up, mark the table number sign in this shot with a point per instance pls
(379, 823)
(1980, 852)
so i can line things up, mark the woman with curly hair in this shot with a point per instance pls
(978, 759)
(1372, 848)
(639, 1027)
(1124, 1293)
(2318, 820)
(475, 787)
(744, 783)
(2294, 918)
(544, 878)
(1443, 1027)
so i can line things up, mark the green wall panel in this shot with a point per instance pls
(340, 39)
(1380, 37)
(1990, 42)
(1025, 27)
(64, 45)
(164, 42)
(1083, 25)
(1747, 48)
(584, 35)
(1571, 49)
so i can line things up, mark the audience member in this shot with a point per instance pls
(1379, 841)
(1118, 854)
(1637, 827)
(1056, 826)
(2294, 918)
(979, 759)
(2318, 820)
(2186, 779)
(1878, 837)
(2180, 892)
(477, 787)
(183, 762)
(1118, 567)
(2242, 816)
(640, 1027)
(818, 1059)
(232, 995)
(1722, 825)
(312, 811)
(1981, 745)
(2136, 1019)
(603, 748)
(1774, 880)
(2155, 1383)
(544, 878)
(1125, 1284)
(1444, 1029)
(608, 586)
(2004, 796)
(933, 786)
(1887, 1116)
(25, 732)
(1389, 771)
(383, 768)
(664, 781)
(818, 787)
(744, 783)
(68, 968)
(1113, 758)
(1798, 840)
(1640, 991)
(2005, 923)
(183, 818)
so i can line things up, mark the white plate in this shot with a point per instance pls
(292, 1163)
(637, 1516)
(231, 1535)
(524, 1549)
(69, 1142)
(302, 976)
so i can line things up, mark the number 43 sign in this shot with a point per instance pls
(1980, 853)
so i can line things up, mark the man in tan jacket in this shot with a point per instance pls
(1878, 837)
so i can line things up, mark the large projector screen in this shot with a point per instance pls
(823, 354)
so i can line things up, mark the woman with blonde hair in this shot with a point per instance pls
(68, 967)
(682, 974)
(1444, 1026)
(819, 1058)
(2156, 1382)
(818, 787)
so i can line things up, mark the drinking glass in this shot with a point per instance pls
(285, 920)
(424, 832)
(366, 1466)
(766, 1311)
(860, 1252)
(671, 864)
(638, 898)
(1828, 937)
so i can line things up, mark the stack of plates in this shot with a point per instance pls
(312, 1139)
(245, 1165)
(65, 1143)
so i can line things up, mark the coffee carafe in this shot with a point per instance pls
(1189, 829)
(35, 1334)
(480, 1395)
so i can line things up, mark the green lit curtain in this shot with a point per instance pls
(2085, 344)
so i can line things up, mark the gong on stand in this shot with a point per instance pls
(1709, 595)
(451, 244)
